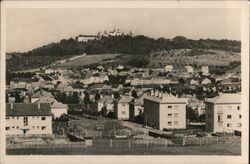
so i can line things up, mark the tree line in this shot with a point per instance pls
(124, 44)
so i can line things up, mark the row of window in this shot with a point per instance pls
(170, 123)
(228, 107)
(172, 106)
(230, 116)
(33, 127)
(43, 118)
(175, 115)
(229, 125)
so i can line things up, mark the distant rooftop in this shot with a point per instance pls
(28, 109)
(167, 99)
(226, 98)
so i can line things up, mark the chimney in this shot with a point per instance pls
(39, 105)
(152, 92)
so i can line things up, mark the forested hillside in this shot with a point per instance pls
(125, 44)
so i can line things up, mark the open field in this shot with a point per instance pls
(189, 150)
(86, 60)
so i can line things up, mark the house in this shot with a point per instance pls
(194, 82)
(189, 69)
(28, 118)
(169, 68)
(206, 81)
(223, 113)
(40, 93)
(121, 108)
(85, 38)
(107, 103)
(58, 109)
(165, 111)
(136, 108)
(205, 70)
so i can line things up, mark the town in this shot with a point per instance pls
(119, 106)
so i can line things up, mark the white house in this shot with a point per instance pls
(206, 81)
(223, 113)
(189, 69)
(169, 68)
(121, 108)
(136, 108)
(41, 93)
(165, 112)
(28, 118)
(58, 108)
(106, 101)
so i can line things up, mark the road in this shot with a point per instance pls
(52, 64)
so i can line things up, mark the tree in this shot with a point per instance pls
(97, 97)
(134, 94)
(116, 95)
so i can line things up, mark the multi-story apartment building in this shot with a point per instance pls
(223, 113)
(28, 118)
(165, 112)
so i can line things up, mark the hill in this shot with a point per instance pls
(124, 44)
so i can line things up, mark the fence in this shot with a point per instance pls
(135, 143)
(47, 146)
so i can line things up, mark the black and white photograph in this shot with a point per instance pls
(128, 80)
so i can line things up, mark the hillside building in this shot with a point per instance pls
(165, 112)
(223, 113)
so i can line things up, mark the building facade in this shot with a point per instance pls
(223, 113)
(28, 118)
(165, 112)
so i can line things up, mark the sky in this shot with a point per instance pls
(28, 28)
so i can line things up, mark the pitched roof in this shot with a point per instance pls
(45, 100)
(167, 99)
(57, 104)
(28, 109)
(226, 98)
(139, 101)
(42, 93)
(106, 99)
(125, 99)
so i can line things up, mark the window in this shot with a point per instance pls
(169, 123)
(43, 127)
(25, 121)
(13, 127)
(229, 125)
(219, 118)
(13, 117)
(7, 118)
(229, 107)
(123, 104)
(240, 116)
(239, 124)
(7, 128)
(123, 112)
(43, 118)
(175, 106)
(175, 123)
(33, 127)
(229, 116)
(169, 114)
(17, 117)
(38, 127)
(17, 127)
(238, 107)
(175, 115)
(170, 106)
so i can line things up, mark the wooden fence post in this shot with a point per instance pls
(129, 143)
(183, 142)
(200, 141)
(110, 142)
(217, 140)
(147, 143)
